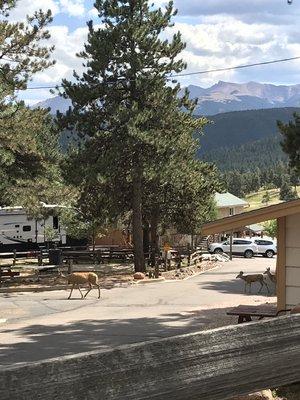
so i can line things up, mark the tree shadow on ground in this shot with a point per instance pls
(38, 342)
(237, 286)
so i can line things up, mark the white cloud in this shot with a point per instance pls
(28, 7)
(216, 39)
(223, 41)
(67, 44)
(74, 8)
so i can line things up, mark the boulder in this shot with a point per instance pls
(263, 395)
(139, 275)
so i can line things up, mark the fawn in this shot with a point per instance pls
(81, 278)
(249, 279)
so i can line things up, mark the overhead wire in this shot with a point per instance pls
(208, 71)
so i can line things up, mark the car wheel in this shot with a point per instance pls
(248, 254)
(218, 251)
(269, 253)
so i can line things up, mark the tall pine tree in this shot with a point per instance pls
(135, 128)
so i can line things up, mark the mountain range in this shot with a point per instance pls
(243, 129)
(226, 96)
(221, 97)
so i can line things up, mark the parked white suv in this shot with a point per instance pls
(240, 246)
(266, 247)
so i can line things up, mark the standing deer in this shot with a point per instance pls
(271, 276)
(81, 278)
(249, 279)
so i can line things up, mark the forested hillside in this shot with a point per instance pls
(246, 148)
(260, 154)
(240, 127)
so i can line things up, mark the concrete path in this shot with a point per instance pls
(45, 325)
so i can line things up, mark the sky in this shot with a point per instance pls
(218, 34)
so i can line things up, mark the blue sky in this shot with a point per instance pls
(218, 33)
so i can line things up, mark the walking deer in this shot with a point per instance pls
(81, 278)
(249, 279)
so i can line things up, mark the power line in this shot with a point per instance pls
(236, 67)
(198, 72)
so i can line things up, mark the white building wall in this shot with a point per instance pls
(292, 260)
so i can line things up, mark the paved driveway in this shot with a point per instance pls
(45, 325)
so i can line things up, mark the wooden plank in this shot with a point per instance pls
(281, 263)
(210, 365)
(252, 217)
(254, 311)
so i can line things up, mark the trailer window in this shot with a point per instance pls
(26, 228)
(55, 222)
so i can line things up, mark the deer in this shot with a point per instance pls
(271, 276)
(81, 278)
(249, 279)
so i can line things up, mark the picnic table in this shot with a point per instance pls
(246, 312)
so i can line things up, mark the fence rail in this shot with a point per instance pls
(211, 365)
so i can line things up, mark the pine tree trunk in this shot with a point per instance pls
(153, 231)
(137, 223)
(146, 241)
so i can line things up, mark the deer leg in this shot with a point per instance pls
(98, 286)
(267, 287)
(261, 286)
(78, 287)
(71, 291)
(90, 288)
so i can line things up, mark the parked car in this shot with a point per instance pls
(266, 247)
(240, 246)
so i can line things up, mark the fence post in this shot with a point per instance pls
(15, 256)
(70, 265)
(40, 257)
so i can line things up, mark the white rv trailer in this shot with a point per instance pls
(18, 230)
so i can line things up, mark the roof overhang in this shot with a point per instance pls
(251, 217)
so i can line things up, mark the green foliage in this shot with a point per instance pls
(29, 153)
(266, 198)
(270, 228)
(286, 191)
(21, 52)
(291, 140)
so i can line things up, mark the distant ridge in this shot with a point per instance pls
(226, 96)
(220, 98)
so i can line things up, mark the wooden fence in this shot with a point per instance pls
(211, 365)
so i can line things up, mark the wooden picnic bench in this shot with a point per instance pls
(246, 312)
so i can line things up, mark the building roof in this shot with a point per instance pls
(252, 217)
(255, 227)
(229, 200)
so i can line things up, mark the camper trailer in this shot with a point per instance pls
(19, 231)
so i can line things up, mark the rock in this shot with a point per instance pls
(139, 275)
(263, 395)
(295, 310)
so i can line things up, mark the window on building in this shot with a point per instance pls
(26, 228)
(231, 211)
(55, 222)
